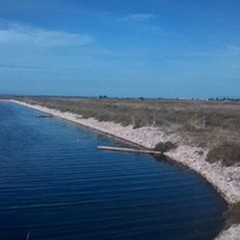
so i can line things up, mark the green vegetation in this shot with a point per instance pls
(233, 215)
(227, 152)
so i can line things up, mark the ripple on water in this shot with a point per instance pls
(55, 184)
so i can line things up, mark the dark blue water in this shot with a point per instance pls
(55, 184)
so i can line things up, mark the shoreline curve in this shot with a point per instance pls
(189, 156)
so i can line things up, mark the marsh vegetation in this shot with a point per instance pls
(201, 123)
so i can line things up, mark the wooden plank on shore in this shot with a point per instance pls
(133, 150)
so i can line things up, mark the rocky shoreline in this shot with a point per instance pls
(226, 180)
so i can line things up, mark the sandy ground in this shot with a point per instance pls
(226, 180)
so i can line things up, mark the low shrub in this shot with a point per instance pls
(165, 146)
(233, 214)
(228, 153)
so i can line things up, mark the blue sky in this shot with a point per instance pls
(123, 48)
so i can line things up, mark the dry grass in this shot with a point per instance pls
(203, 123)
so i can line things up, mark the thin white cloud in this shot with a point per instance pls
(23, 35)
(141, 17)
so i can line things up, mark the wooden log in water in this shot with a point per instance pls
(133, 150)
